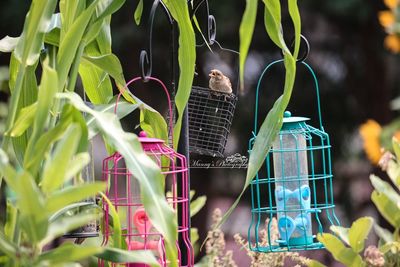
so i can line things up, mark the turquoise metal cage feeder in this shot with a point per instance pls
(292, 195)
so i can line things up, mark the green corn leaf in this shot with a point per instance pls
(69, 195)
(69, 12)
(295, 15)
(76, 165)
(29, 92)
(37, 22)
(118, 255)
(96, 83)
(396, 147)
(53, 37)
(24, 120)
(70, 43)
(268, 132)
(150, 120)
(70, 209)
(246, 31)
(186, 58)
(8, 44)
(56, 166)
(341, 253)
(124, 108)
(47, 90)
(272, 23)
(359, 232)
(145, 170)
(106, 8)
(67, 224)
(103, 39)
(68, 252)
(138, 12)
(30, 203)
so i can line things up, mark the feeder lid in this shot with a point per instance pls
(290, 122)
(144, 139)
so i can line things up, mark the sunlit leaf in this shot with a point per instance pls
(69, 195)
(359, 232)
(138, 12)
(8, 44)
(383, 234)
(246, 34)
(341, 253)
(24, 120)
(186, 58)
(56, 166)
(68, 252)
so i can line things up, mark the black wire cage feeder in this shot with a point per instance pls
(211, 112)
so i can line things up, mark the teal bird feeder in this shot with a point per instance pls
(292, 195)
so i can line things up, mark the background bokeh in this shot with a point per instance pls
(358, 79)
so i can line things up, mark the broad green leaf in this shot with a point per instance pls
(103, 39)
(7, 171)
(138, 12)
(186, 58)
(118, 255)
(71, 209)
(96, 83)
(66, 224)
(69, 195)
(358, 232)
(295, 15)
(37, 22)
(24, 120)
(70, 43)
(268, 132)
(124, 108)
(76, 165)
(342, 233)
(53, 37)
(385, 188)
(8, 44)
(106, 7)
(29, 92)
(197, 204)
(145, 170)
(387, 208)
(47, 89)
(341, 253)
(272, 22)
(57, 165)
(30, 203)
(383, 234)
(68, 252)
(393, 171)
(69, 12)
(246, 31)
(117, 241)
(110, 64)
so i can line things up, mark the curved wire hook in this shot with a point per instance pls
(211, 22)
(146, 58)
(305, 55)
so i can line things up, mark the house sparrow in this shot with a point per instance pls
(219, 83)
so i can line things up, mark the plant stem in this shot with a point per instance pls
(75, 68)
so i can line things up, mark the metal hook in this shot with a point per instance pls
(211, 22)
(146, 58)
(306, 52)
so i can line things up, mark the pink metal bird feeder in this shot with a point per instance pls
(124, 192)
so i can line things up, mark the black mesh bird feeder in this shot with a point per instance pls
(211, 107)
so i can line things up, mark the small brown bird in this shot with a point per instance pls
(219, 83)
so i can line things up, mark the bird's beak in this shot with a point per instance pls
(211, 74)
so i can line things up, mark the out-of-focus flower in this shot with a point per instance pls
(391, 3)
(386, 18)
(392, 42)
(389, 19)
(370, 133)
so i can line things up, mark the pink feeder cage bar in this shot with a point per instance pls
(124, 192)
